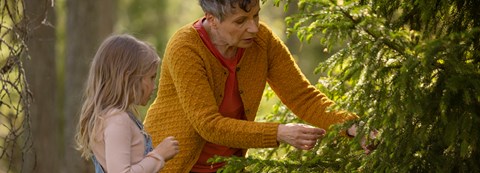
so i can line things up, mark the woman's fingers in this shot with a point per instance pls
(299, 135)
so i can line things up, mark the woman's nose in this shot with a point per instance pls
(252, 26)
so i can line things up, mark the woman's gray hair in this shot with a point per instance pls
(221, 8)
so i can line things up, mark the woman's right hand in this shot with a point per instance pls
(167, 148)
(301, 136)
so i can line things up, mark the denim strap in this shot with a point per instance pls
(148, 139)
(98, 167)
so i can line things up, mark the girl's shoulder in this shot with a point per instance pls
(113, 121)
(116, 116)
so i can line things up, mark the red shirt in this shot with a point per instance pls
(231, 105)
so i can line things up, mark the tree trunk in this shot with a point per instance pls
(41, 77)
(88, 23)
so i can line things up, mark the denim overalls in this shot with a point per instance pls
(148, 144)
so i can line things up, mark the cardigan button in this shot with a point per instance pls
(237, 69)
(247, 111)
(240, 91)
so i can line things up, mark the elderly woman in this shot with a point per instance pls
(212, 78)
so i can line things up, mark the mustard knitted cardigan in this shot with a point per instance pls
(191, 88)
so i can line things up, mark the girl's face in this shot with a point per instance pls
(148, 85)
(240, 28)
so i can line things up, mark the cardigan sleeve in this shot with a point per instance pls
(188, 69)
(294, 90)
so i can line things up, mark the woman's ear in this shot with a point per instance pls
(211, 20)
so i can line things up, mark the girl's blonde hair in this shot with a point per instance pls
(114, 82)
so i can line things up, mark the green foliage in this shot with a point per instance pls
(324, 157)
(409, 68)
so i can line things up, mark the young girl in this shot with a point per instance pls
(122, 75)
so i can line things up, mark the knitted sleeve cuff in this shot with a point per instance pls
(270, 135)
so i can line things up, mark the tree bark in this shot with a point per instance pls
(41, 77)
(88, 23)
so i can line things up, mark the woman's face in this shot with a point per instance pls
(148, 85)
(239, 28)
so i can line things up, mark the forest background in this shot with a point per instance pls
(410, 69)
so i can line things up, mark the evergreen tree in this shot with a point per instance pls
(410, 69)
